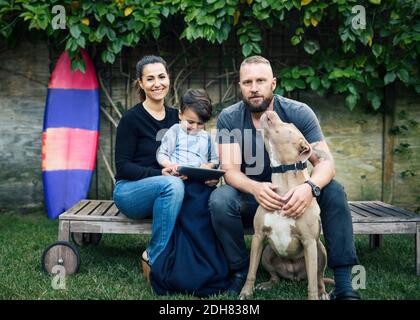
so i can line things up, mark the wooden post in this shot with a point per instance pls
(375, 241)
(387, 154)
(418, 249)
(64, 230)
(388, 144)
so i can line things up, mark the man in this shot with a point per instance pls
(248, 178)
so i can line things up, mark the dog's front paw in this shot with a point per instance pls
(324, 296)
(265, 285)
(246, 293)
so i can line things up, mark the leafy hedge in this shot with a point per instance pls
(337, 57)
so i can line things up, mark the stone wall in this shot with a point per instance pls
(355, 138)
(24, 74)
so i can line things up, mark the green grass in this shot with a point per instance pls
(112, 270)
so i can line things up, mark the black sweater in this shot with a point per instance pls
(136, 143)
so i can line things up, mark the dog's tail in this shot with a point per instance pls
(329, 281)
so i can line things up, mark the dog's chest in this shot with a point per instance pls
(280, 232)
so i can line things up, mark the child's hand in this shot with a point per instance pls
(207, 165)
(211, 183)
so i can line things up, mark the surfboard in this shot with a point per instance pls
(70, 135)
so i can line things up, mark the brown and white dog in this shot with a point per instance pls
(295, 250)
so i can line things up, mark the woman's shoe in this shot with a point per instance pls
(146, 267)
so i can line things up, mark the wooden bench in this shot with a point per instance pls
(95, 217)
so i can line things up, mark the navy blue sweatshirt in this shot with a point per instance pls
(136, 143)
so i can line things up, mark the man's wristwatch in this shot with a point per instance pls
(316, 191)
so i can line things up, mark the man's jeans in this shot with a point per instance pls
(160, 197)
(231, 210)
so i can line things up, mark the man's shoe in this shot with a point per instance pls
(345, 295)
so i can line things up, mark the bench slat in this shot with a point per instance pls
(101, 209)
(76, 208)
(89, 208)
(387, 211)
(386, 214)
(369, 211)
(355, 210)
(113, 211)
(362, 212)
(384, 205)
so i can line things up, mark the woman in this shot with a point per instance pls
(142, 188)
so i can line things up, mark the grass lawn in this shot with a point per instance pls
(112, 269)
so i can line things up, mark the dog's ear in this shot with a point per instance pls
(305, 150)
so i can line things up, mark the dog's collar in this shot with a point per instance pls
(287, 167)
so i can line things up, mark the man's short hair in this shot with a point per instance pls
(255, 59)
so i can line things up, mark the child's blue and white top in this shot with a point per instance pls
(187, 149)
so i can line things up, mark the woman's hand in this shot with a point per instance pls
(172, 171)
(166, 171)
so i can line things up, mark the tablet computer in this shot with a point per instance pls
(200, 174)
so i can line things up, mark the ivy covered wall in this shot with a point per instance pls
(355, 137)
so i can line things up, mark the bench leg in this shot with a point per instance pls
(375, 241)
(418, 250)
(64, 231)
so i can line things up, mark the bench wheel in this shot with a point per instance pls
(84, 239)
(61, 253)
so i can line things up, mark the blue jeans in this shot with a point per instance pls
(160, 197)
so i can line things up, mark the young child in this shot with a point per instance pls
(198, 253)
(187, 142)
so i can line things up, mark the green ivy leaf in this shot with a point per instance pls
(403, 75)
(375, 99)
(75, 31)
(351, 101)
(81, 42)
(389, 78)
(295, 40)
(326, 83)
(279, 91)
(165, 11)
(108, 56)
(311, 46)
(352, 89)
(246, 49)
(110, 17)
(377, 50)
(78, 64)
(315, 83)
(300, 84)
(288, 84)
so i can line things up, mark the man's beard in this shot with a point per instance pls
(259, 108)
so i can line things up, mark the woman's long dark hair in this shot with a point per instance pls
(139, 72)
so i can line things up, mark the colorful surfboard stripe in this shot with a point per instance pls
(70, 135)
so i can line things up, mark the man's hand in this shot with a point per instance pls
(266, 197)
(298, 199)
